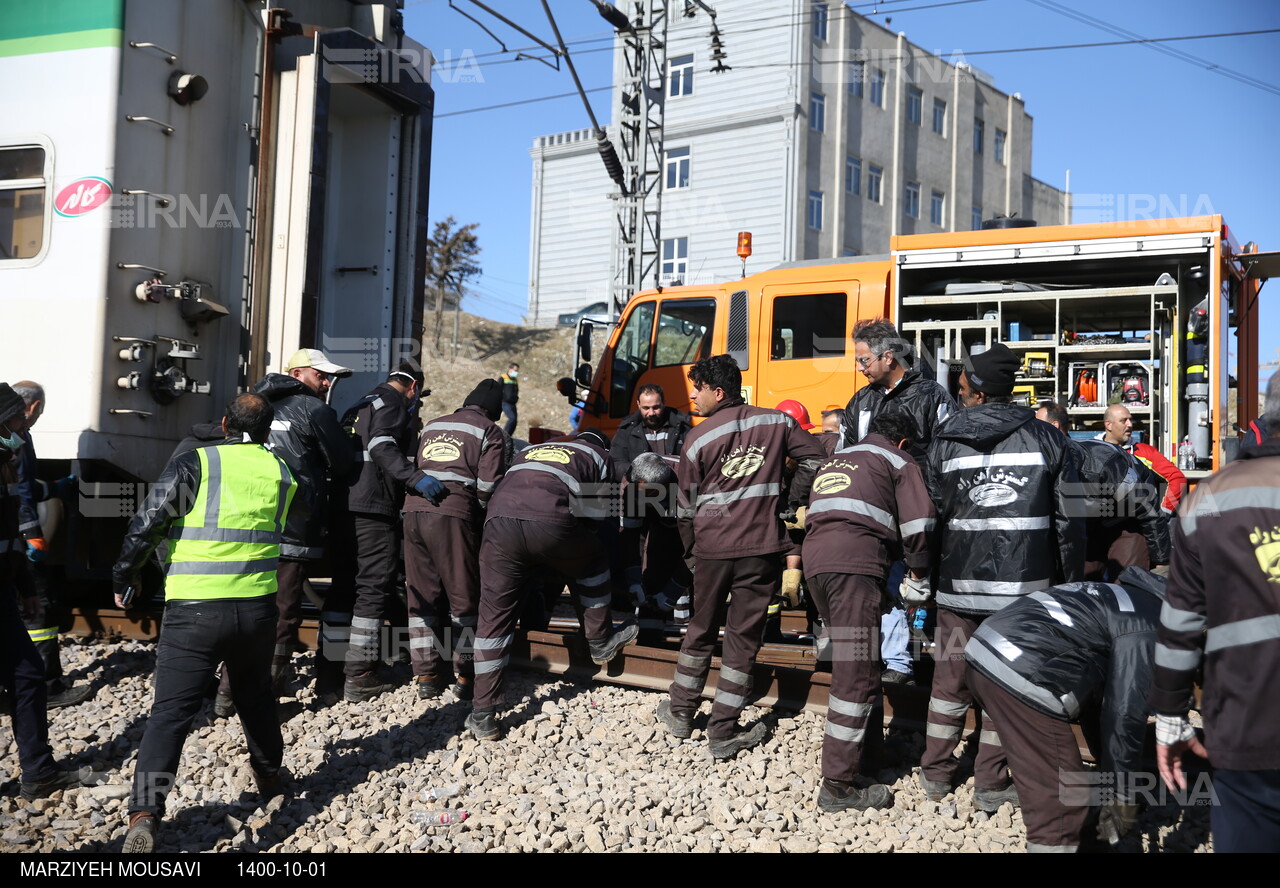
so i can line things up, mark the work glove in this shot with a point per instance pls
(791, 586)
(915, 591)
(634, 585)
(431, 489)
(37, 549)
(796, 519)
(1116, 820)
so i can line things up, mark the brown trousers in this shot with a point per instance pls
(442, 575)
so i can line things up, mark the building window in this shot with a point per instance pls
(852, 175)
(874, 176)
(677, 168)
(1000, 138)
(819, 21)
(915, 105)
(936, 205)
(680, 76)
(814, 214)
(939, 116)
(817, 112)
(809, 326)
(24, 201)
(976, 219)
(877, 88)
(912, 196)
(978, 128)
(857, 74)
(675, 258)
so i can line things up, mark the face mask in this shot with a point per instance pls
(12, 441)
(514, 374)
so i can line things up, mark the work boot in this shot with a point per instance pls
(742, 739)
(223, 705)
(38, 789)
(893, 676)
(604, 650)
(934, 790)
(846, 797)
(281, 674)
(430, 686)
(990, 800)
(483, 724)
(679, 724)
(463, 689)
(366, 686)
(69, 696)
(269, 787)
(141, 837)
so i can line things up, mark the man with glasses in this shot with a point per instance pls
(893, 386)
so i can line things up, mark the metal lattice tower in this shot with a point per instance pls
(641, 97)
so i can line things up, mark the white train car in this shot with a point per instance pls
(190, 190)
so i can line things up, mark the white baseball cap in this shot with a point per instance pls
(316, 359)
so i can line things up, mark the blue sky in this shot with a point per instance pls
(1148, 130)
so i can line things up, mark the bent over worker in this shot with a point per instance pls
(223, 509)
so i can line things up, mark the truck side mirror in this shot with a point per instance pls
(583, 376)
(567, 387)
(584, 341)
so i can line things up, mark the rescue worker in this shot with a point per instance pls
(368, 561)
(1119, 500)
(869, 507)
(43, 627)
(885, 358)
(511, 396)
(544, 513)
(1118, 422)
(24, 672)
(1080, 652)
(652, 551)
(223, 510)
(467, 452)
(659, 429)
(306, 435)
(1223, 610)
(1000, 481)
(730, 499)
(830, 435)
(789, 592)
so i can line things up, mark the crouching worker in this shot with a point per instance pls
(869, 507)
(1076, 652)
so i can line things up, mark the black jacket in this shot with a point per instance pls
(922, 399)
(379, 429)
(630, 440)
(1117, 489)
(1002, 482)
(306, 435)
(1075, 648)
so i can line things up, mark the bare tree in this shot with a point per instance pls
(451, 262)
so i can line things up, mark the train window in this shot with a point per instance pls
(631, 357)
(809, 326)
(684, 331)
(23, 202)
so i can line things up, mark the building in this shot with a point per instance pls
(829, 135)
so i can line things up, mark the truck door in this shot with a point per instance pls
(804, 350)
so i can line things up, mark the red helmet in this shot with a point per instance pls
(796, 411)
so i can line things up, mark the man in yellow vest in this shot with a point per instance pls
(222, 509)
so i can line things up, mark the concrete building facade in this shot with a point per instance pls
(829, 135)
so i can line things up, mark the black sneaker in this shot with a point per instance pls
(893, 676)
(604, 650)
(678, 725)
(483, 724)
(141, 838)
(743, 739)
(38, 789)
(990, 800)
(835, 797)
(359, 688)
(430, 686)
(69, 697)
(223, 706)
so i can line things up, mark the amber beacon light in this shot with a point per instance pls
(744, 249)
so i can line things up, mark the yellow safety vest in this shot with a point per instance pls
(228, 545)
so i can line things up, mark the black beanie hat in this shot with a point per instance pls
(11, 403)
(488, 397)
(993, 371)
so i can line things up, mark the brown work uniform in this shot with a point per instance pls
(542, 514)
(465, 451)
(868, 508)
(731, 491)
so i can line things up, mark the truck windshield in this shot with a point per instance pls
(631, 358)
(684, 331)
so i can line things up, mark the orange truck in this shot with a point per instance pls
(1160, 315)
